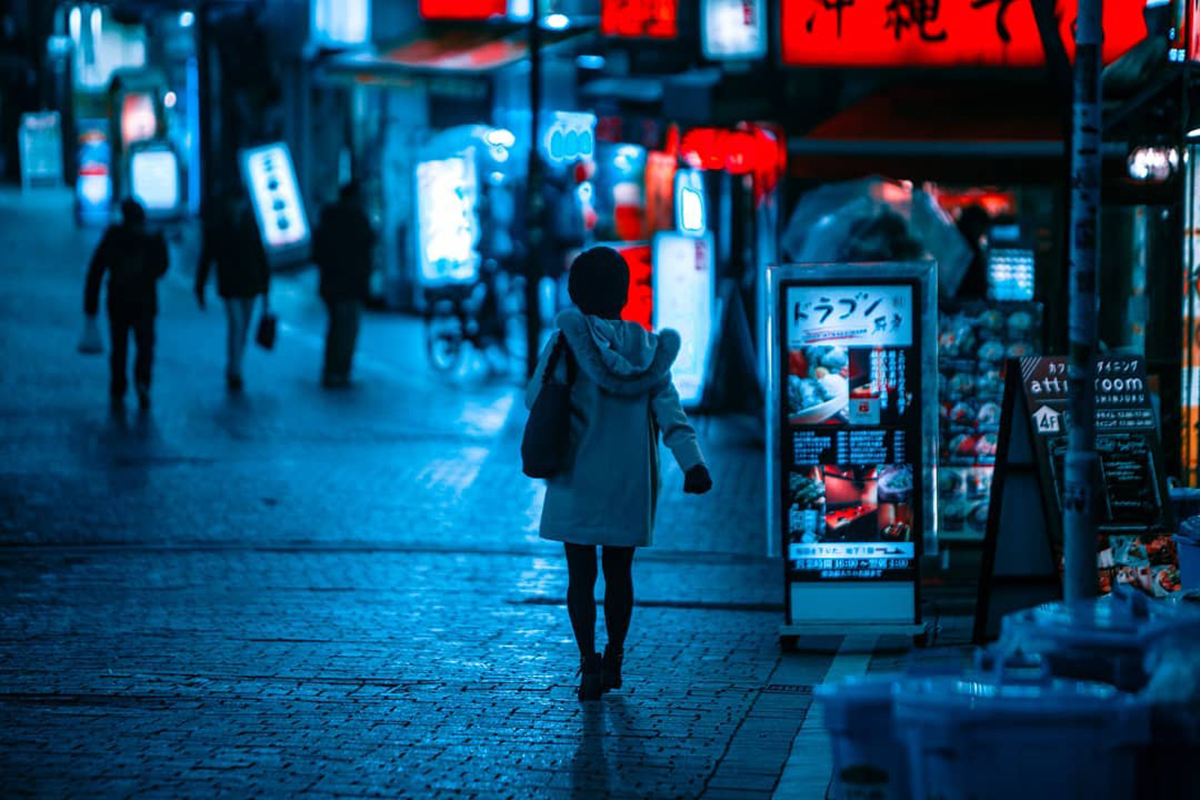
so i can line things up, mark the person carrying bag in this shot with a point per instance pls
(598, 399)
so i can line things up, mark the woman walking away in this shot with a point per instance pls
(621, 397)
(232, 241)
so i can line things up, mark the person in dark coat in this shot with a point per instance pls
(342, 249)
(232, 241)
(134, 259)
(622, 399)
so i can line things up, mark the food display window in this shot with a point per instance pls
(974, 340)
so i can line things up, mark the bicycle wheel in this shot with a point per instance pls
(443, 343)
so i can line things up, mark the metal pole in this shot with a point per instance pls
(535, 205)
(204, 109)
(1079, 525)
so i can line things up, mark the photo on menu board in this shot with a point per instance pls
(852, 504)
(848, 353)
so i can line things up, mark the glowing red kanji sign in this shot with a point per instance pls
(656, 19)
(462, 9)
(939, 33)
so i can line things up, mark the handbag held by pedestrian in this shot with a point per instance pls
(90, 342)
(545, 444)
(264, 335)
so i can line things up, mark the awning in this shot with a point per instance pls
(936, 129)
(457, 52)
(454, 52)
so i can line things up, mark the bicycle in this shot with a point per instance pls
(486, 315)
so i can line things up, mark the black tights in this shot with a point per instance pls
(618, 594)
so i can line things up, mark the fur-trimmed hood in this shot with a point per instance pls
(620, 357)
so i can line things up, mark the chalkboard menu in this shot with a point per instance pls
(1023, 548)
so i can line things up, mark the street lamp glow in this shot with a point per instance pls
(187, 19)
(169, 99)
(557, 22)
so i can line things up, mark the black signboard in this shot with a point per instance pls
(1023, 547)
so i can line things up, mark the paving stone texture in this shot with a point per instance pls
(341, 594)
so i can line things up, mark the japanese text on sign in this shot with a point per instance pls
(875, 33)
(852, 316)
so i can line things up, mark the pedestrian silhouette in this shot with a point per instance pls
(134, 259)
(342, 250)
(232, 241)
(621, 398)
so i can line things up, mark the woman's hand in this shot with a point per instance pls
(697, 480)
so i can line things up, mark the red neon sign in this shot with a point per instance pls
(939, 33)
(640, 306)
(462, 9)
(639, 19)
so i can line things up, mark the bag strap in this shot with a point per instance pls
(561, 350)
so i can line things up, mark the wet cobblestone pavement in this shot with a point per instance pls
(341, 593)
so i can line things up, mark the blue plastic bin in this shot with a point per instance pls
(980, 737)
(868, 761)
(1189, 562)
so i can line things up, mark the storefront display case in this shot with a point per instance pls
(974, 340)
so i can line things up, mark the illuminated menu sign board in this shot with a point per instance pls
(853, 464)
(891, 33)
(683, 301)
(154, 179)
(639, 19)
(278, 207)
(447, 220)
(852, 435)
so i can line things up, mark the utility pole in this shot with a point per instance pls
(1079, 523)
(535, 204)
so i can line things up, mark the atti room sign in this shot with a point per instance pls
(939, 33)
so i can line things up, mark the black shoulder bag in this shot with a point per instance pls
(545, 445)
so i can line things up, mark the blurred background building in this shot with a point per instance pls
(707, 139)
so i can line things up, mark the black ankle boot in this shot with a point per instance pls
(611, 668)
(591, 680)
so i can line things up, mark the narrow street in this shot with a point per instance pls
(341, 592)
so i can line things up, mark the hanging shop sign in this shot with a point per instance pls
(691, 211)
(139, 118)
(93, 183)
(570, 136)
(749, 149)
(447, 220)
(462, 9)
(342, 22)
(640, 19)
(1023, 546)
(930, 33)
(271, 180)
(639, 307)
(853, 438)
(733, 29)
(684, 287)
(154, 179)
(40, 140)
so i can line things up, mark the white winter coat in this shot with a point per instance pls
(607, 493)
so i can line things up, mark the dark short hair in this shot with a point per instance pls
(350, 189)
(132, 212)
(599, 282)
